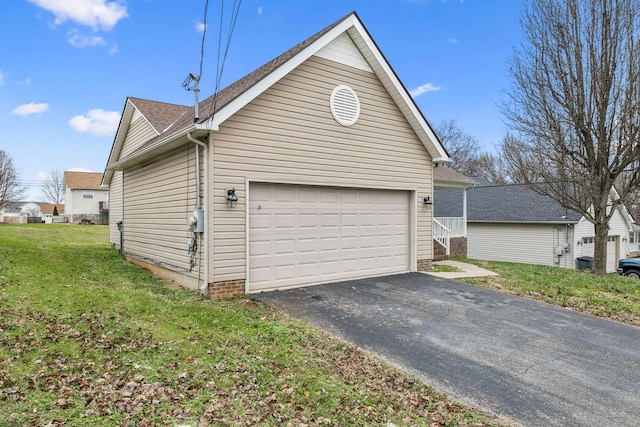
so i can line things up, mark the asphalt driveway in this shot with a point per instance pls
(529, 362)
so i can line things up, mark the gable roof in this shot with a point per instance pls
(214, 110)
(82, 180)
(445, 177)
(503, 203)
(47, 208)
(160, 115)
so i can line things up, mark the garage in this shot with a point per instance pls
(305, 235)
(613, 251)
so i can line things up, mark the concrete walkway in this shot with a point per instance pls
(467, 270)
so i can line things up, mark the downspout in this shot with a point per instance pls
(204, 289)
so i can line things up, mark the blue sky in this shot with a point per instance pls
(67, 66)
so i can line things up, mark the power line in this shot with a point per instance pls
(235, 11)
(204, 35)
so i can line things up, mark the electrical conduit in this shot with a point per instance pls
(204, 289)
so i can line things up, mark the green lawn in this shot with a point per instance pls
(87, 339)
(614, 297)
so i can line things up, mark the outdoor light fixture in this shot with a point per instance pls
(232, 199)
(428, 202)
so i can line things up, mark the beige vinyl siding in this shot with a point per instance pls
(115, 207)
(288, 134)
(158, 199)
(524, 243)
(139, 132)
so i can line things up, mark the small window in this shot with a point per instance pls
(87, 194)
(587, 240)
(611, 238)
(632, 237)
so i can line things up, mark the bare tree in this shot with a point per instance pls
(461, 146)
(53, 187)
(10, 188)
(489, 167)
(575, 103)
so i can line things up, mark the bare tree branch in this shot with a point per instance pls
(53, 188)
(461, 146)
(10, 188)
(575, 105)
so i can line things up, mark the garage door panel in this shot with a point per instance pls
(317, 234)
(588, 248)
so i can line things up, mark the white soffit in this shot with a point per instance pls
(136, 115)
(344, 51)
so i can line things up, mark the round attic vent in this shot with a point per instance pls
(345, 105)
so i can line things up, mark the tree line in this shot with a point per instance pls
(11, 190)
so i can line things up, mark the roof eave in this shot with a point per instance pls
(356, 30)
(399, 93)
(118, 141)
(159, 147)
(443, 184)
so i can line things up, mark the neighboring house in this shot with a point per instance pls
(311, 169)
(85, 199)
(20, 213)
(514, 223)
(46, 210)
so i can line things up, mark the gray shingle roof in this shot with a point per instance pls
(161, 115)
(442, 173)
(502, 203)
(218, 101)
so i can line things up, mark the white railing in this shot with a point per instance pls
(456, 225)
(442, 235)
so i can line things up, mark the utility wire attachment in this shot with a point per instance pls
(192, 83)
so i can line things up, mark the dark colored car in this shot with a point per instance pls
(629, 267)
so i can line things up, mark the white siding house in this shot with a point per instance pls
(85, 199)
(311, 169)
(515, 224)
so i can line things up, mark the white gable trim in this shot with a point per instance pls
(118, 142)
(378, 63)
(129, 115)
(280, 73)
(343, 51)
(400, 95)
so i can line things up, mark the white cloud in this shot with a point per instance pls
(1, 78)
(199, 26)
(453, 40)
(31, 108)
(43, 176)
(80, 40)
(420, 90)
(80, 170)
(98, 122)
(114, 49)
(260, 10)
(101, 14)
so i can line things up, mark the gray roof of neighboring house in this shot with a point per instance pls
(502, 203)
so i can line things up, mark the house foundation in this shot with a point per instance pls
(226, 289)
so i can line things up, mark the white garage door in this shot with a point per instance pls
(303, 235)
(613, 254)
